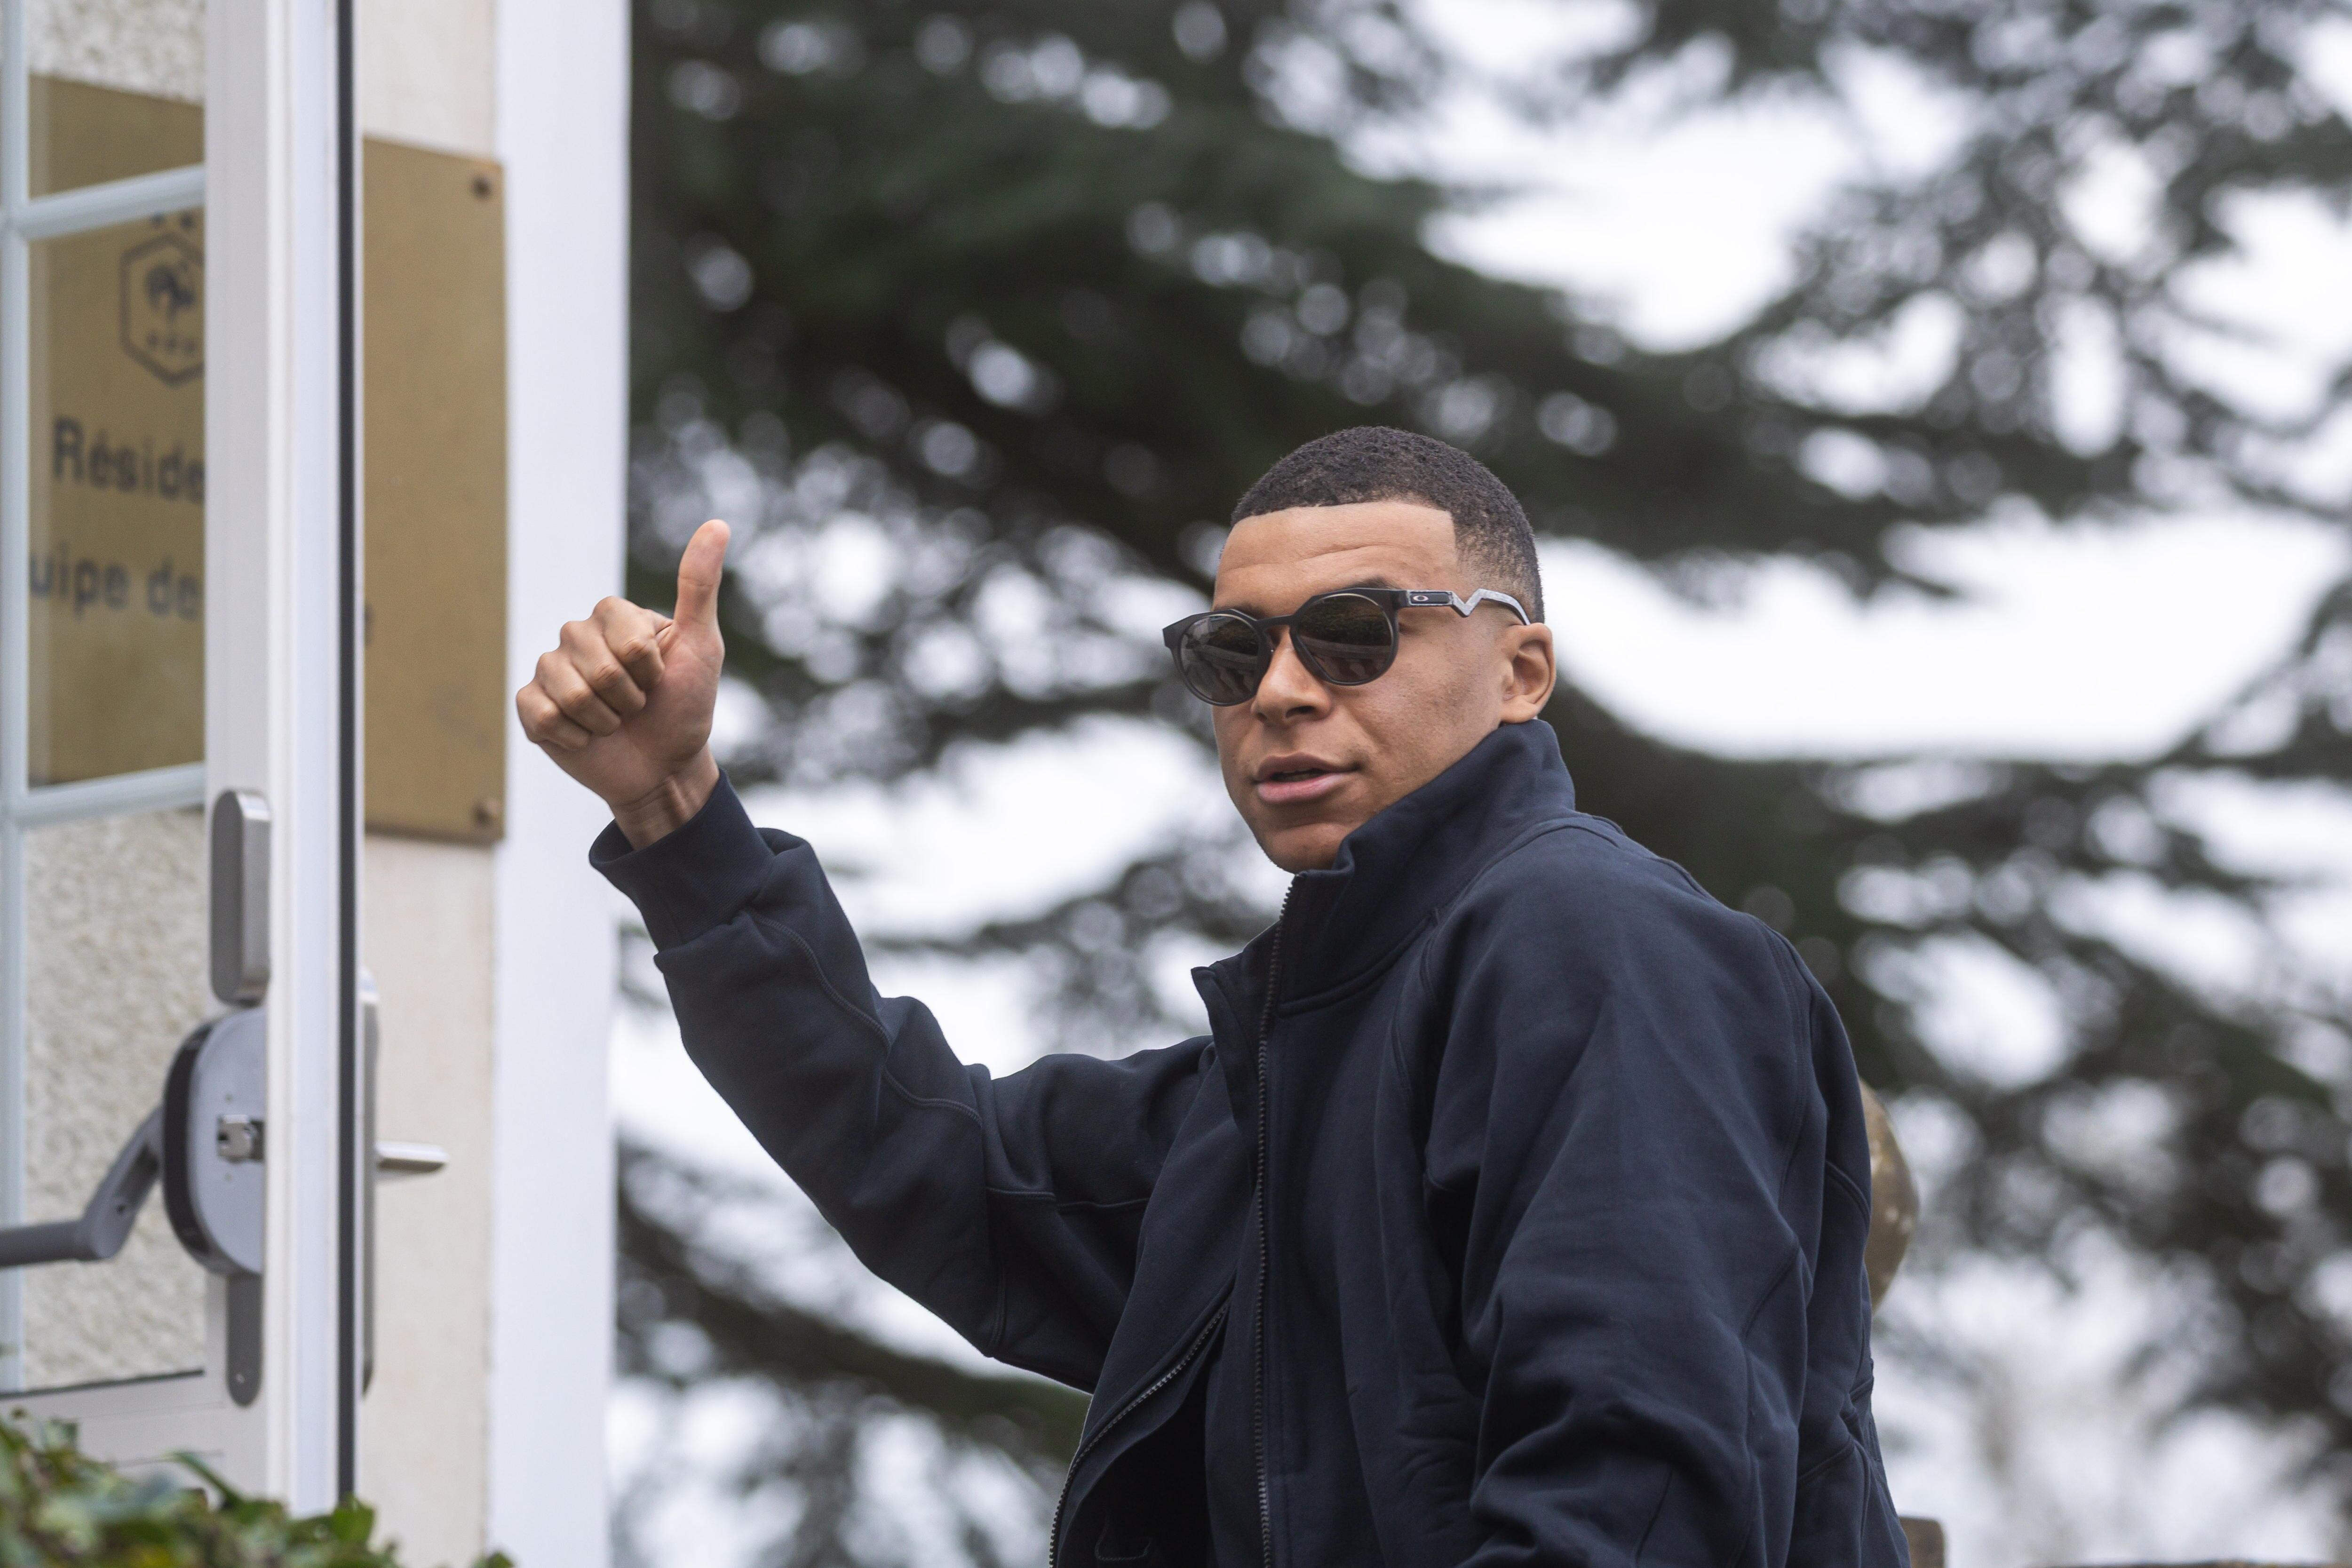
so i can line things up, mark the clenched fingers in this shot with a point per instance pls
(633, 635)
(544, 723)
(559, 676)
(600, 670)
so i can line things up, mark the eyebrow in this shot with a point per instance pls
(1375, 581)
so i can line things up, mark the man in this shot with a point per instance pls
(1511, 1212)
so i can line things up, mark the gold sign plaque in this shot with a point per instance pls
(117, 673)
(435, 408)
(117, 486)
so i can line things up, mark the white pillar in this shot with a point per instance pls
(562, 132)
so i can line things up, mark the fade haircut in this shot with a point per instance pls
(1374, 463)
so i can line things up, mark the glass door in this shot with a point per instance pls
(102, 898)
(165, 514)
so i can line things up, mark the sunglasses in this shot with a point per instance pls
(1347, 637)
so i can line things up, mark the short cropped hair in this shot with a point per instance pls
(1374, 463)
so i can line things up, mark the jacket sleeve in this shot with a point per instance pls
(1009, 1206)
(1627, 1149)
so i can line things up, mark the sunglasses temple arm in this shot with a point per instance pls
(1466, 608)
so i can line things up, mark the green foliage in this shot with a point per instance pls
(60, 1507)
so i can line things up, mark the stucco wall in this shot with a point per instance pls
(426, 71)
(138, 46)
(423, 1454)
(114, 977)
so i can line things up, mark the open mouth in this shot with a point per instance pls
(1286, 781)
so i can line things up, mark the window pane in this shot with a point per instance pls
(115, 978)
(118, 501)
(117, 89)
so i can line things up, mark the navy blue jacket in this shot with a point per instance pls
(1511, 1213)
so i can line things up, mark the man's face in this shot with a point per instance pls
(1306, 763)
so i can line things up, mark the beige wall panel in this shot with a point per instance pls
(437, 702)
(427, 70)
(424, 1432)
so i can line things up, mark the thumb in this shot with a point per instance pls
(699, 570)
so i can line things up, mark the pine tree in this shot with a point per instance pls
(1033, 289)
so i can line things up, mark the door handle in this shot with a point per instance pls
(206, 1144)
(394, 1160)
(388, 1161)
(203, 1143)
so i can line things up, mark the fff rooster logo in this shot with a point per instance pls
(163, 304)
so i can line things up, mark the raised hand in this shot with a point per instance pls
(623, 702)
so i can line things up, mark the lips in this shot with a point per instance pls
(1292, 779)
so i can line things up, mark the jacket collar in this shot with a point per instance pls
(1410, 860)
(1400, 868)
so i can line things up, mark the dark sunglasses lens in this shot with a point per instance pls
(1221, 660)
(1347, 638)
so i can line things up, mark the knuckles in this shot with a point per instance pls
(538, 715)
(565, 704)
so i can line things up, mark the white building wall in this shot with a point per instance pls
(426, 77)
(424, 1424)
(427, 72)
(485, 1425)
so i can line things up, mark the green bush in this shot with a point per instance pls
(60, 1506)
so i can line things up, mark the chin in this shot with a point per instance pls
(1312, 847)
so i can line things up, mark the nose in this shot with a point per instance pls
(1288, 690)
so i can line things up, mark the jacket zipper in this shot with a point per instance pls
(1264, 1265)
(1192, 1354)
(1200, 1341)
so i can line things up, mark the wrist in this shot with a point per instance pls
(668, 805)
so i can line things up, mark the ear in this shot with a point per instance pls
(1529, 672)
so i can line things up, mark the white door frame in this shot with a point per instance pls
(281, 559)
(281, 671)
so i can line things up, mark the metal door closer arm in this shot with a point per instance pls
(106, 1224)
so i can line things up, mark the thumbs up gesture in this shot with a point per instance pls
(624, 700)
